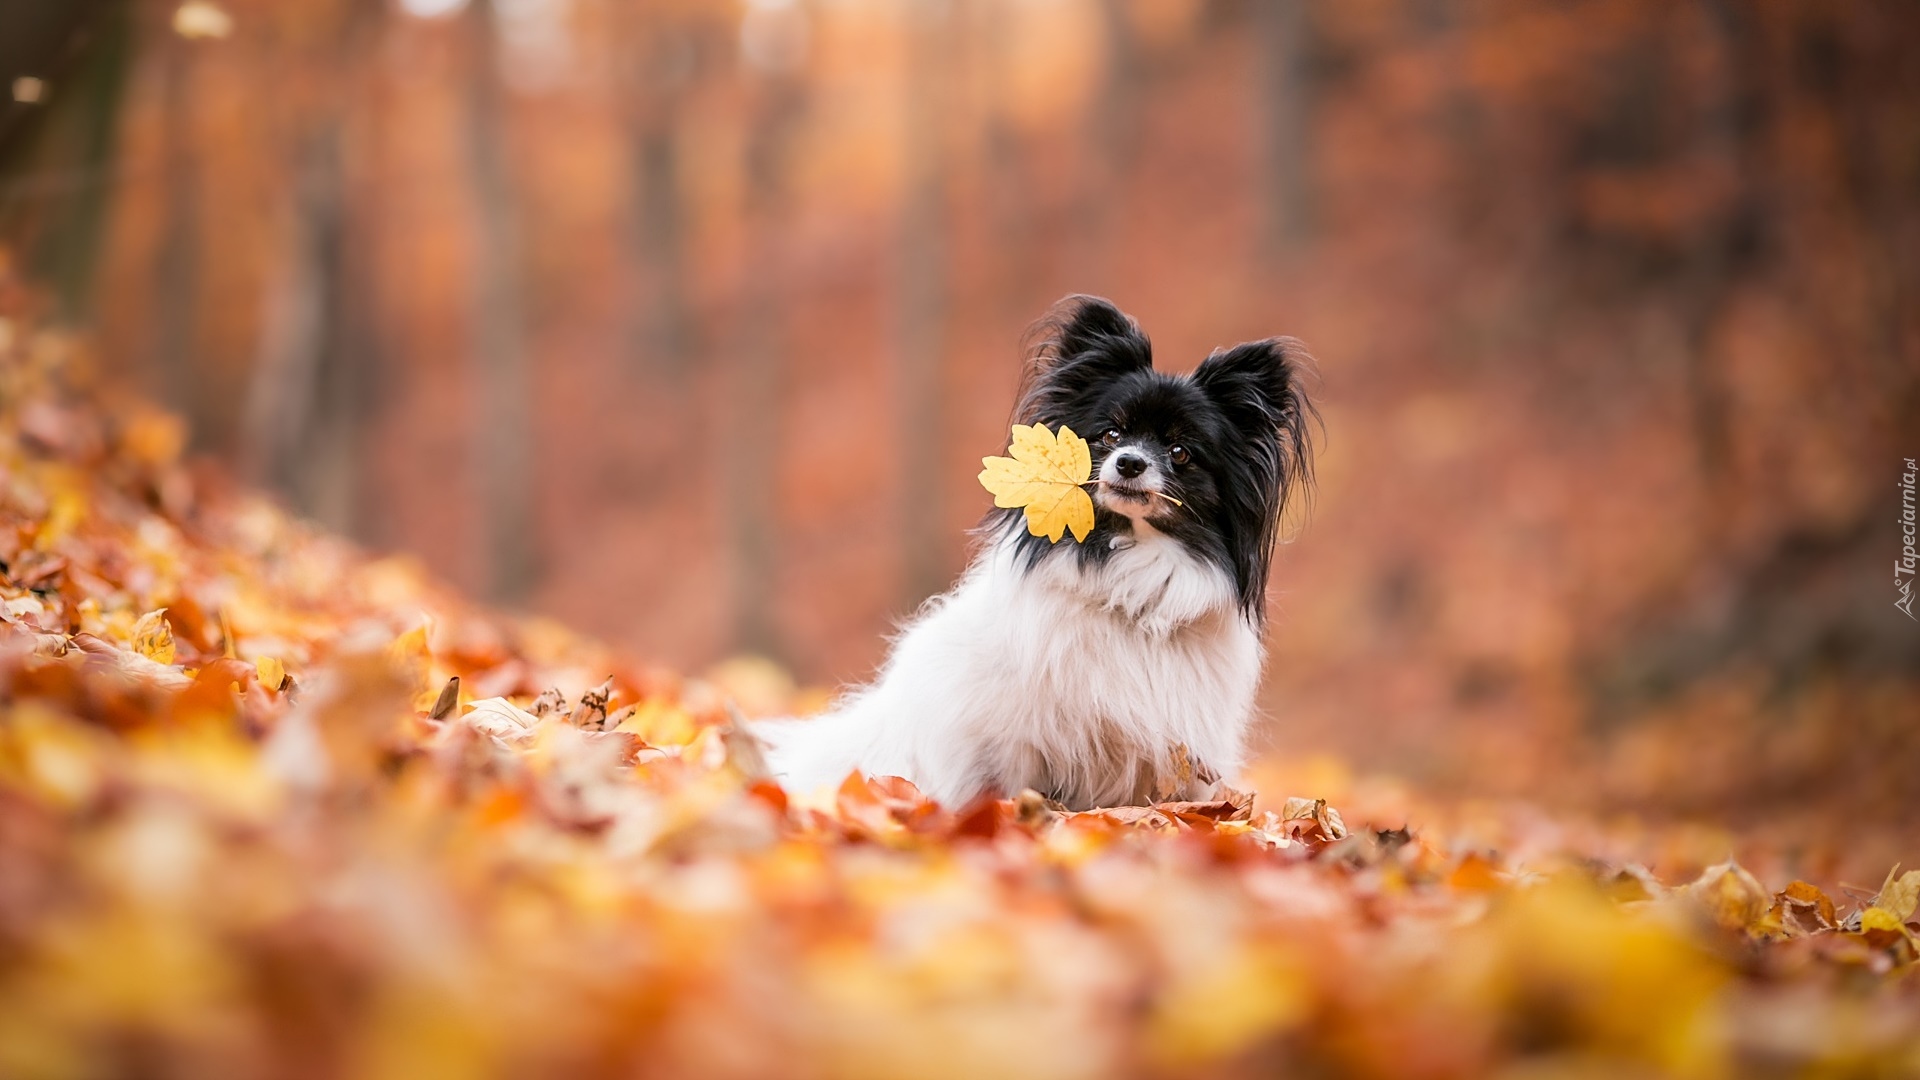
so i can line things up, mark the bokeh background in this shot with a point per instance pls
(687, 321)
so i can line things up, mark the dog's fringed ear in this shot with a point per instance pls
(1259, 386)
(1082, 342)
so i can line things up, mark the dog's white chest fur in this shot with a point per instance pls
(1077, 682)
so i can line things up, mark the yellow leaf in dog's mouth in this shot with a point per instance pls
(1044, 474)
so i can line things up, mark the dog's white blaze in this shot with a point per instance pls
(1138, 511)
(1075, 682)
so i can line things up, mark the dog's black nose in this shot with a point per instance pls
(1129, 464)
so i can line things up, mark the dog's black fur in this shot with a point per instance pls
(1243, 416)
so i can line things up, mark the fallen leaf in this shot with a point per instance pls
(1221, 1005)
(37, 568)
(153, 638)
(591, 713)
(152, 437)
(745, 750)
(409, 653)
(1034, 810)
(1728, 893)
(1148, 817)
(107, 656)
(1312, 820)
(447, 702)
(502, 719)
(1883, 929)
(1899, 894)
(1632, 884)
(550, 702)
(1475, 873)
(1802, 908)
(1239, 808)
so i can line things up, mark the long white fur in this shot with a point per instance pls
(1078, 683)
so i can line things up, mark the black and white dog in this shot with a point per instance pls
(1114, 671)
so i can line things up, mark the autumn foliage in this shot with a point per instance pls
(658, 319)
(269, 807)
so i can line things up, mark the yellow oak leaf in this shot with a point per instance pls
(1044, 474)
(153, 638)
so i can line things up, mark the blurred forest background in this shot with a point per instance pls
(687, 321)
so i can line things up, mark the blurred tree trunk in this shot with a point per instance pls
(1857, 97)
(1010, 199)
(665, 339)
(300, 357)
(1732, 237)
(751, 440)
(1460, 122)
(669, 340)
(313, 384)
(923, 304)
(176, 272)
(503, 432)
(56, 155)
(1117, 121)
(1287, 92)
(1116, 138)
(103, 86)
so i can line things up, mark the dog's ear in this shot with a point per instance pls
(1259, 386)
(1083, 342)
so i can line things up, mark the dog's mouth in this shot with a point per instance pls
(1122, 492)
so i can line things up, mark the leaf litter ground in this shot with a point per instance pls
(269, 807)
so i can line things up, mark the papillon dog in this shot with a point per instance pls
(1116, 671)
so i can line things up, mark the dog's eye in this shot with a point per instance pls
(1111, 438)
(1179, 455)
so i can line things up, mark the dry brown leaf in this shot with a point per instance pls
(591, 713)
(1313, 820)
(107, 656)
(1231, 806)
(1149, 817)
(1179, 780)
(447, 702)
(502, 719)
(1802, 908)
(550, 702)
(1730, 895)
(745, 751)
(153, 638)
(1633, 883)
(1034, 810)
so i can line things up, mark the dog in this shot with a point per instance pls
(1120, 670)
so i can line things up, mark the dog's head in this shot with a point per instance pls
(1209, 459)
